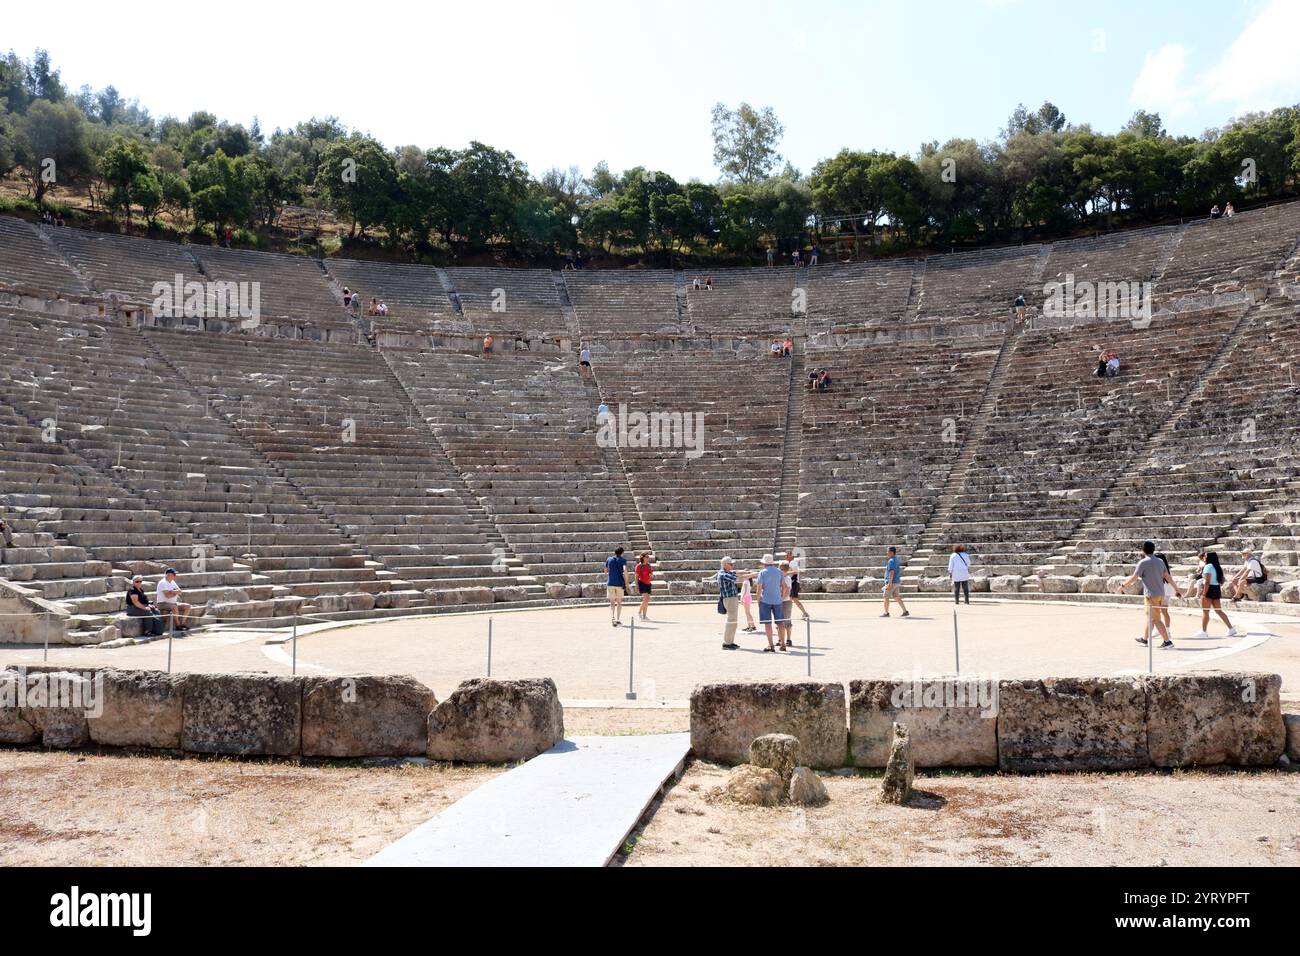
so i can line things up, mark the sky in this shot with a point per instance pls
(634, 83)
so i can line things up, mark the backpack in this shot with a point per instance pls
(1263, 571)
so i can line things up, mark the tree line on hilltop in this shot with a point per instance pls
(1041, 177)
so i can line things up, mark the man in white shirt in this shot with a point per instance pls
(1251, 572)
(168, 600)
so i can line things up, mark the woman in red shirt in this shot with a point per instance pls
(643, 575)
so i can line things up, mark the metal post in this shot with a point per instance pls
(956, 644)
(808, 626)
(295, 644)
(631, 652)
(171, 633)
(46, 655)
(489, 669)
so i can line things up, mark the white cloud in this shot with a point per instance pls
(1159, 84)
(1259, 70)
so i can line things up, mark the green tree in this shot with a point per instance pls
(745, 142)
(222, 191)
(124, 168)
(50, 140)
(358, 180)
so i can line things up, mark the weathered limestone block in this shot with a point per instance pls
(1092, 584)
(14, 729)
(496, 721)
(1072, 723)
(360, 601)
(839, 585)
(754, 786)
(1291, 720)
(330, 603)
(779, 752)
(806, 788)
(57, 704)
(389, 599)
(1115, 585)
(935, 585)
(1058, 584)
(981, 583)
(509, 592)
(365, 716)
(727, 717)
(141, 709)
(952, 721)
(243, 714)
(900, 769)
(1290, 593)
(1205, 719)
(590, 590)
(1006, 583)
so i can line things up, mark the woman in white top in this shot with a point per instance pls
(959, 572)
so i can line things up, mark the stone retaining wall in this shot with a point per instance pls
(1043, 724)
(255, 714)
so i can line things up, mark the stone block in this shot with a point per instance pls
(242, 714)
(496, 721)
(1072, 723)
(952, 721)
(727, 717)
(365, 716)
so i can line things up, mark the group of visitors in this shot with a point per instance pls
(1227, 213)
(377, 307)
(705, 284)
(776, 591)
(1107, 365)
(819, 379)
(781, 348)
(52, 219)
(796, 256)
(618, 580)
(166, 605)
(1159, 588)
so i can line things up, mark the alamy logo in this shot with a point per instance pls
(59, 690)
(1103, 300)
(74, 908)
(207, 300)
(624, 429)
(976, 693)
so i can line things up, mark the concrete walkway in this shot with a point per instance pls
(571, 806)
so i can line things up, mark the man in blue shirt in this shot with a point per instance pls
(893, 578)
(772, 593)
(615, 585)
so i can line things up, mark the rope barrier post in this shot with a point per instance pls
(956, 643)
(171, 633)
(45, 656)
(489, 662)
(808, 643)
(631, 653)
(295, 645)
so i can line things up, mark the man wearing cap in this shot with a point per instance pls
(168, 599)
(1252, 572)
(728, 596)
(773, 591)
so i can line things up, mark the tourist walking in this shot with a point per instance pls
(616, 585)
(893, 583)
(1211, 592)
(1154, 575)
(959, 573)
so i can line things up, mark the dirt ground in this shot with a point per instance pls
(81, 809)
(617, 721)
(1192, 818)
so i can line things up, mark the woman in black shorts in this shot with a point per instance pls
(644, 573)
(1211, 593)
